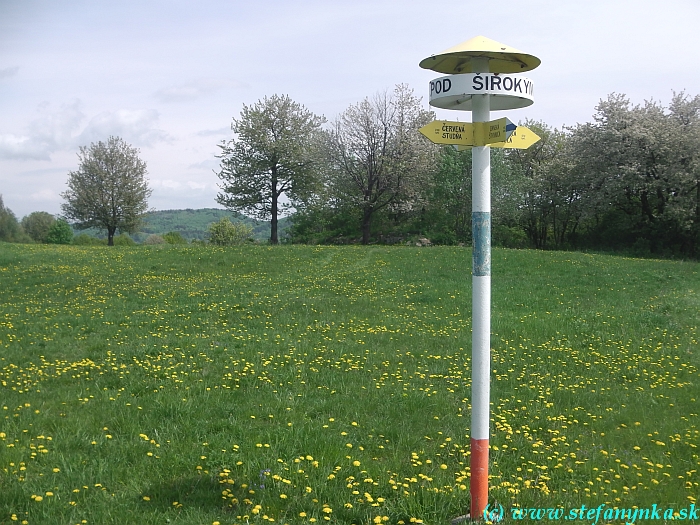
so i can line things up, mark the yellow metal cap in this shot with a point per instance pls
(502, 58)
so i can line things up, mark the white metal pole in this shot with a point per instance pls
(481, 306)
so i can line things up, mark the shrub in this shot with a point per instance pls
(174, 238)
(226, 233)
(123, 239)
(86, 240)
(59, 233)
(154, 239)
(509, 237)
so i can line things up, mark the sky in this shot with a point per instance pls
(169, 76)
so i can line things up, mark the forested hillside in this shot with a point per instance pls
(194, 224)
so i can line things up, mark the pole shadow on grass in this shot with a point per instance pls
(195, 491)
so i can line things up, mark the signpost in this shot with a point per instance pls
(469, 134)
(480, 80)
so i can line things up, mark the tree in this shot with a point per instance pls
(109, 190)
(550, 195)
(10, 229)
(226, 233)
(642, 171)
(378, 157)
(60, 232)
(447, 218)
(274, 154)
(37, 225)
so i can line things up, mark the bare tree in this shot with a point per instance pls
(378, 157)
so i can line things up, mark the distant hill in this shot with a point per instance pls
(194, 224)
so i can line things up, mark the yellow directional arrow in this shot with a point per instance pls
(448, 132)
(522, 138)
(495, 131)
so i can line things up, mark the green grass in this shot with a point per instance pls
(192, 385)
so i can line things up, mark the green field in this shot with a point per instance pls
(298, 384)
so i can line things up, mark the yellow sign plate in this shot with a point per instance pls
(448, 132)
(493, 132)
(522, 138)
(469, 133)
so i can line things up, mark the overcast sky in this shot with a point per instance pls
(168, 76)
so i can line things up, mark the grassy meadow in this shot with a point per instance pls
(300, 384)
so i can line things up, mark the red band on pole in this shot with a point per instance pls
(479, 482)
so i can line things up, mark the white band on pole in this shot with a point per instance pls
(481, 356)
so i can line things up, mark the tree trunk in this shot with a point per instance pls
(646, 206)
(273, 222)
(366, 224)
(110, 236)
(273, 219)
(273, 225)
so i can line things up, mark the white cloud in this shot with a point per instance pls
(209, 132)
(194, 89)
(55, 131)
(208, 165)
(45, 195)
(22, 147)
(8, 72)
(166, 183)
(136, 127)
(50, 132)
(196, 185)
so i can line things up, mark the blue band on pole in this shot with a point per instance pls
(481, 240)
